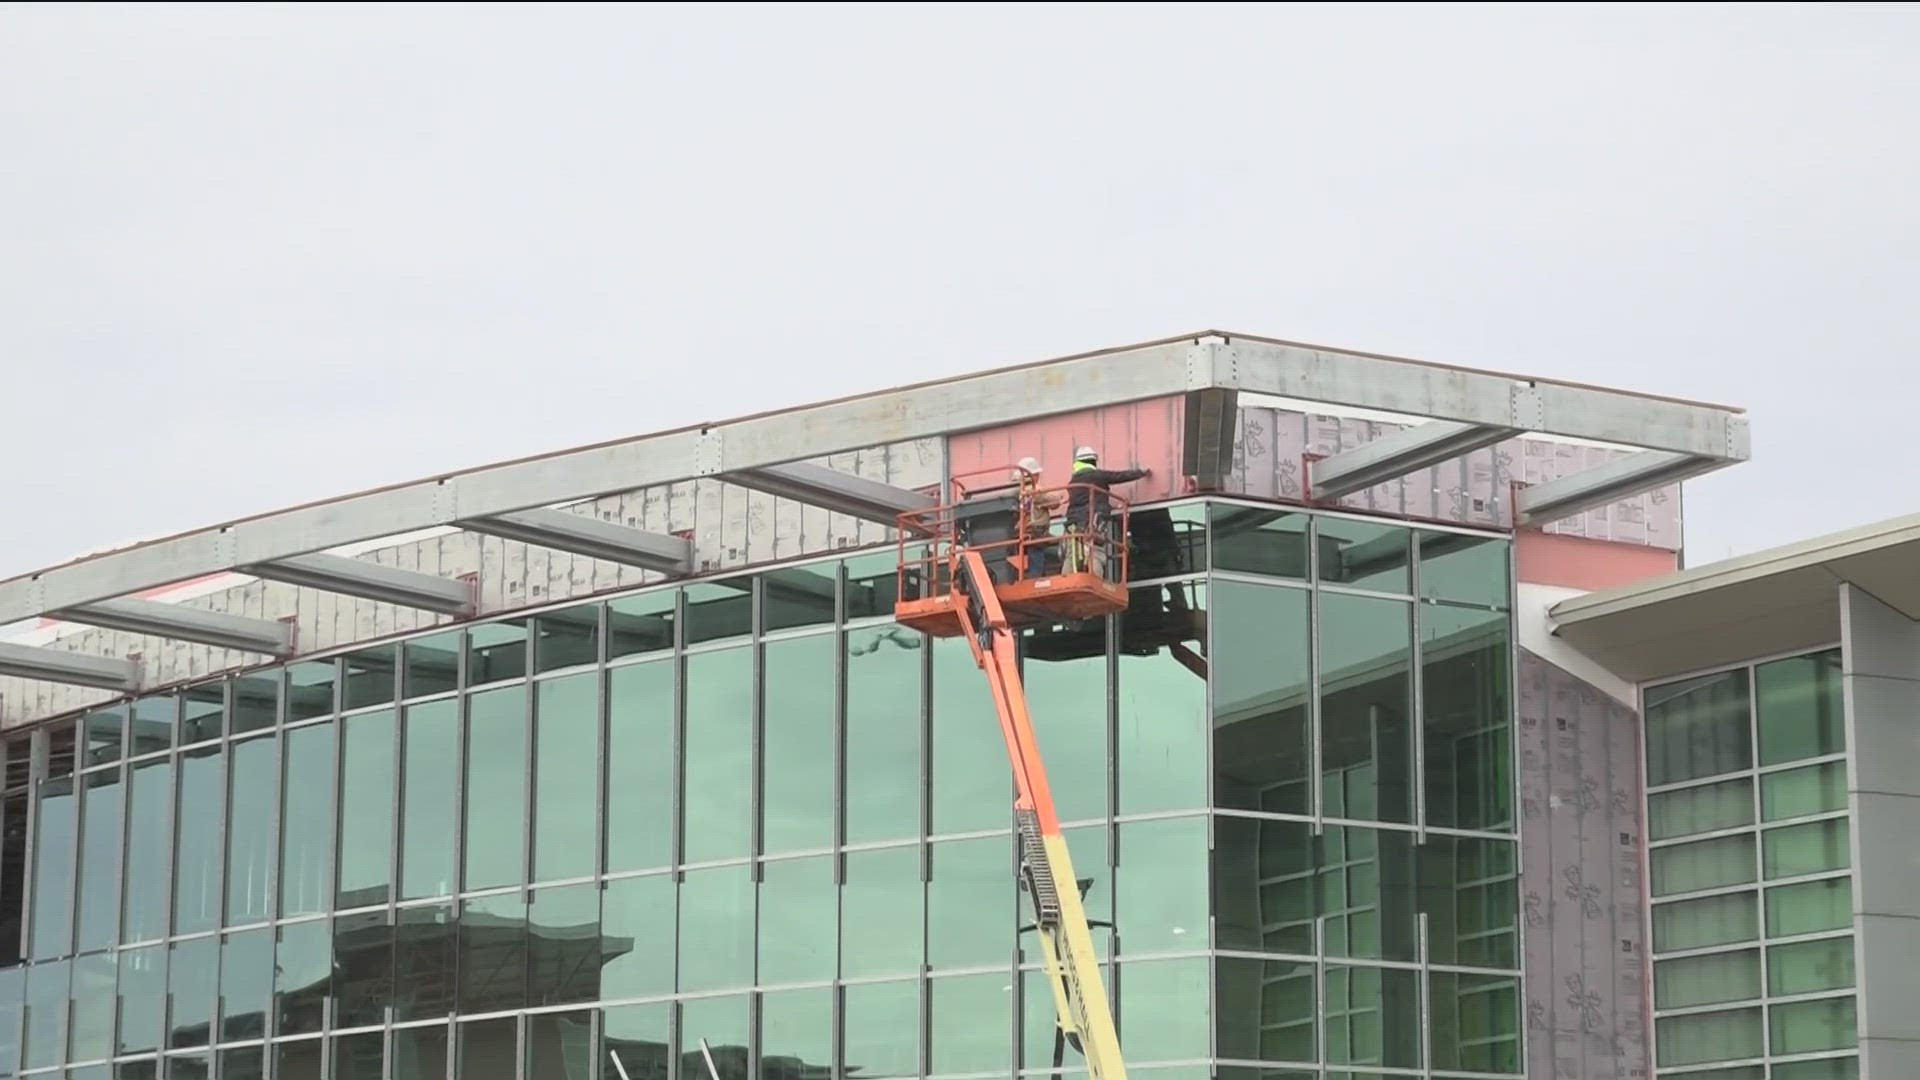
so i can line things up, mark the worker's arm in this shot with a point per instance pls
(1111, 476)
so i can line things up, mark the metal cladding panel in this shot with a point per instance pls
(1581, 845)
(1146, 434)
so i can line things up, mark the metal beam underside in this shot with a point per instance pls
(831, 489)
(566, 531)
(1603, 484)
(75, 669)
(1211, 420)
(136, 616)
(1398, 454)
(357, 577)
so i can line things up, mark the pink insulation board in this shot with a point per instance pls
(1146, 434)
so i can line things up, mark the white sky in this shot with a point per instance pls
(256, 255)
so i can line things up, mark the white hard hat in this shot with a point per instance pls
(1030, 464)
(1086, 453)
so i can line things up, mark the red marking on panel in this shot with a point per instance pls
(1146, 434)
(1575, 562)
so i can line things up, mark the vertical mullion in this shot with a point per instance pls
(462, 752)
(1316, 800)
(1416, 683)
(1759, 854)
(529, 747)
(29, 876)
(603, 744)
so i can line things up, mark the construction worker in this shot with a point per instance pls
(1039, 509)
(1088, 507)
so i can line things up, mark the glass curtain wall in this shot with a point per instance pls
(1751, 878)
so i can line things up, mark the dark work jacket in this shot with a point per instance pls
(1079, 497)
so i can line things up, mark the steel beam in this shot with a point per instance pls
(369, 581)
(1603, 484)
(181, 623)
(582, 535)
(1405, 451)
(1212, 418)
(75, 669)
(831, 489)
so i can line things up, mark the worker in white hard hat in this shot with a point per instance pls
(1087, 505)
(1038, 509)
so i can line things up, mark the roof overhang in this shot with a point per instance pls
(1763, 604)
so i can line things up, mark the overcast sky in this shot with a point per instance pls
(252, 256)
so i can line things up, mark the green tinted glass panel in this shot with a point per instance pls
(1364, 555)
(1698, 728)
(1161, 895)
(1698, 1038)
(556, 1045)
(1468, 738)
(1815, 789)
(797, 781)
(558, 917)
(256, 702)
(1799, 707)
(496, 788)
(302, 976)
(496, 652)
(799, 920)
(1817, 846)
(723, 1024)
(640, 768)
(427, 819)
(310, 690)
(1475, 1022)
(881, 908)
(103, 807)
(1821, 1069)
(971, 901)
(716, 928)
(1467, 569)
(357, 1057)
(101, 734)
(1252, 540)
(873, 581)
(641, 624)
(1809, 967)
(796, 1034)
(1706, 980)
(566, 789)
(46, 1014)
(421, 1052)
(1372, 1016)
(1706, 808)
(493, 953)
(720, 610)
(567, 638)
(882, 1030)
(641, 911)
(246, 984)
(1810, 907)
(634, 1041)
(203, 712)
(1087, 848)
(56, 825)
(1806, 1027)
(1260, 656)
(150, 728)
(13, 999)
(1367, 894)
(143, 915)
(972, 1028)
(1266, 1009)
(142, 994)
(363, 968)
(425, 962)
(90, 1021)
(885, 666)
(296, 1060)
(1067, 698)
(306, 820)
(1161, 747)
(366, 809)
(1164, 1008)
(1710, 920)
(1366, 707)
(1470, 891)
(1703, 864)
(432, 665)
(719, 766)
(798, 596)
(197, 891)
(192, 971)
(253, 790)
(1263, 885)
(370, 677)
(972, 783)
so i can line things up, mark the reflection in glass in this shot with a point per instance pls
(1067, 699)
(196, 867)
(1815, 789)
(720, 609)
(567, 638)
(1367, 895)
(640, 766)
(1465, 569)
(1161, 895)
(798, 596)
(1710, 920)
(1698, 1038)
(487, 1048)
(1700, 809)
(719, 755)
(1253, 540)
(1807, 908)
(884, 669)
(306, 820)
(427, 821)
(639, 913)
(246, 984)
(1165, 1008)
(362, 968)
(56, 821)
(90, 1023)
(369, 678)
(1363, 555)
(881, 907)
(972, 1022)
(102, 732)
(1464, 664)
(1475, 1022)
(1470, 891)
(46, 1015)
(1808, 1027)
(799, 920)
(1809, 967)
(1167, 541)
(799, 743)
(425, 960)
(633, 1040)
(1702, 864)
(496, 790)
(558, 1045)
(565, 949)
(366, 809)
(1264, 885)
(194, 1066)
(1366, 706)
(142, 997)
(202, 712)
(873, 581)
(493, 953)
(970, 901)
(566, 797)
(1698, 727)
(1260, 658)
(358, 1057)
(251, 838)
(243, 1063)
(192, 969)
(716, 928)
(433, 665)
(302, 976)
(882, 1029)
(1266, 1009)
(1799, 705)
(103, 808)
(972, 783)
(641, 624)
(298, 1060)
(149, 840)
(723, 1024)
(1707, 980)
(496, 651)
(796, 1034)
(1373, 1016)
(1812, 848)
(13, 1000)
(256, 702)
(310, 690)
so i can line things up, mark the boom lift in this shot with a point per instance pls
(975, 568)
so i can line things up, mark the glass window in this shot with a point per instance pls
(1817, 846)
(564, 945)
(1698, 727)
(1165, 1011)
(362, 968)
(1703, 864)
(799, 920)
(640, 912)
(1467, 569)
(1810, 907)
(634, 1040)
(799, 744)
(873, 581)
(310, 690)
(433, 665)
(252, 795)
(641, 624)
(496, 651)
(1167, 541)
(798, 596)
(425, 959)
(723, 1023)
(1475, 1022)
(56, 825)
(151, 728)
(90, 1024)
(1799, 706)
(796, 1034)
(1815, 789)
(716, 928)
(1067, 700)
(1708, 921)
(1040, 1040)
(203, 712)
(366, 809)
(557, 1045)
(1252, 540)
(429, 775)
(1366, 893)
(1807, 1027)
(369, 679)
(486, 1049)
(1706, 808)
(1266, 1009)
(1470, 891)
(243, 1063)
(972, 782)
(302, 976)
(496, 788)
(1464, 663)
(142, 996)
(296, 1060)
(149, 843)
(13, 993)
(566, 793)
(719, 755)
(355, 1057)
(567, 638)
(884, 668)
(192, 970)
(196, 867)
(970, 899)
(640, 766)
(102, 732)
(103, 808)
(306, 820)
(256, 702)
(1808, 967)
(246, 984)
(1363, 555)
(493, 953)
(1161, 890)
(1366, 736)
(1263, 885)
(1706, 980)
(972, 1023)
(1820, 1069)
(1259, 658)
(46, 1015)
(882, 904)
(721, 609)
(882, 1030)
(1372, 1016)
